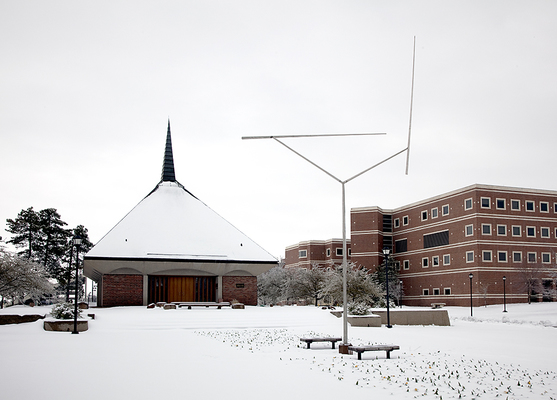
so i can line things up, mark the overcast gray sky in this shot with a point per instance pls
(86, 89)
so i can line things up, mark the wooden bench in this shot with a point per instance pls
(309, 341)
(437, 305)
(190, 304)
(379, 347)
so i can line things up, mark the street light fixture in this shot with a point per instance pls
(77, 244)
(504, 294)
(471, 309)
(386, 252)
(400, 294)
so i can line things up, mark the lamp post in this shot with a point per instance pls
(77, 243)
(504, 294)
(400, 294)
(471, 309)
(386, 252)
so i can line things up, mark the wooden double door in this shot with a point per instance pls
(182, 288)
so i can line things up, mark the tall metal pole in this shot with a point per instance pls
(344, 272)
(504, 294)
(386, 252)
(471, 308)
(77, 242)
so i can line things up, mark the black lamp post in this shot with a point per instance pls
(400, 294)
(386, 252)
(77, 243)
(471, 309)
(504, 294)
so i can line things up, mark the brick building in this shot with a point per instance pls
(172, 247)
(322, 252)
(490, 232)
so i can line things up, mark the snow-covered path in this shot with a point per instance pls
(138, 353)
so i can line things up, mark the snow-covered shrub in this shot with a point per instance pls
(64, 311)
(357, 308)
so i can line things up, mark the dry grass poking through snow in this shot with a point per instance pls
(409, 375)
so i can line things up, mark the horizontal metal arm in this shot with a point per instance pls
(312, 135)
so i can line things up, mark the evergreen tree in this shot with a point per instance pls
(380, 277)
(26, 230)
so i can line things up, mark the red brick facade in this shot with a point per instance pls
(322, 252)
(241, 288)
(122, 290)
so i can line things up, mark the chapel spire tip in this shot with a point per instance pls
(168, 174)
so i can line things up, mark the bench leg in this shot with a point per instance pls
(359, 355)
(333, 344)
(308, 344)
(388, 354)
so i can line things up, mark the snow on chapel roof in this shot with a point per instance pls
(171, 223)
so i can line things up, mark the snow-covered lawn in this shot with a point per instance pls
(139, 353)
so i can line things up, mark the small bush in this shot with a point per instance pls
(64, 311)
(358, 309)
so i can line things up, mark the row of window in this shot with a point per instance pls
(485, 202)
(502, 256)
(516, 230)
(501, 204)
(338, 250)
(437, 292)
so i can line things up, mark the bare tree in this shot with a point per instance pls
(360, 286)
(530, 280)
(484, 290)
(308, 283)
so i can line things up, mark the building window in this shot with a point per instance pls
(424, 215)
(544, 206)
(339, 251)
(328, 252)
(447, 291)
(435, 261)
(517, 256)
(468, 204)
(531, 231)
(397, 222)
(500, 204)
(436, 292)
(531, 257)
(501, 230)
(349, 251)
(546, 258)
(485, 202)
(517, 230)
(434, 213)
(468, 230)
(436, 239)
(529, 205)
(515, 205)
(425, 292)
(486, 229)
(486, 255)
(405, 220)
(425, 262)
(401, 246)
(302, 254)
(555, 207)
(447, 259)
(445, 209)
(502, 256)
(406, 264)
(469, 256)
(544, 232)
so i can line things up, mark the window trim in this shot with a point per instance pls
(434, 213)
(466, 230)
(546, 228)
(512, 230)
(328, 252)
(405, 220)
(506, 256)
(471, 252)
(406, 265)
(547, 205)
(497, 200)
(519, 254)
(422, 214)
(304, 252)
(501, 226)
(425, 292)
(485, 253)
(485, 226)
(515, 209)
(535, 257)
(481, 202)
(471, 204)
(528, 233)
(425, 262)
(338, 251)
(447, 291)
(533, 205)
(546, 254)
(397, 222)
(443, 209)
(433, 261)
(446, 263)
(436, 290)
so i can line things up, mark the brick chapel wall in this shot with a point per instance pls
(122, 290)
(241, 288)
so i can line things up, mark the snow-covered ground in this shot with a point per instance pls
(139, 353)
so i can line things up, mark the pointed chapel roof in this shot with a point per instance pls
(172, 224)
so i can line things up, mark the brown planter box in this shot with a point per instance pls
(65, 325)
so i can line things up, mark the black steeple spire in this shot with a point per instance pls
(168, 164)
